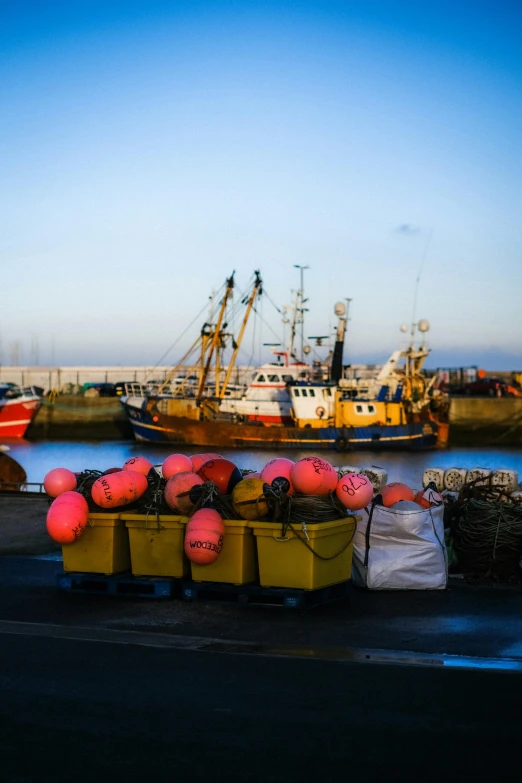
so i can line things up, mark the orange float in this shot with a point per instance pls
(206, 518)
(178, 492)
(222, 472)
(119, 489)
(59, 480)
(276, 469)
(427, 498)
(67, 517)
(199, 459)
(313, 476)
(354, 491)
(394, 492)
(176, 463)
(138, 464)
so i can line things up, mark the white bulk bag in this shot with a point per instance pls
(400, 549)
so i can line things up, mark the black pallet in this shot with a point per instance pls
(289, 598)
(124, 585)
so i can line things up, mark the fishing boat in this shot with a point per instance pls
(18, 407)
(289, 403)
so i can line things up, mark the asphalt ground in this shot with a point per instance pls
(141, 689)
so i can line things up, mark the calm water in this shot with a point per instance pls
(38, 458)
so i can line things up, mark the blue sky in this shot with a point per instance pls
(147, 149)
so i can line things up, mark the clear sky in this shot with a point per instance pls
(149, 148)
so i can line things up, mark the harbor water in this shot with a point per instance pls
(37, 458)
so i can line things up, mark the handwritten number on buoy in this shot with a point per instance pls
(356, 483)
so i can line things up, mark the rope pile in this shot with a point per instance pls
(487, 534)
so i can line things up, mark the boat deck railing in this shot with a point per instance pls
(22, 488)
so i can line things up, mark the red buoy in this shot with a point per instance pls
(119, 489)
(199, 459)
(313, 476)
(279, 468)
(354, 491)
(59, 480)
(204, 537)
(177, 492)
(67, 517)
(138, 464)
(392, 493)
(222, 472)
(176, 463)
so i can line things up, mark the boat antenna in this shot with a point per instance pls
(417, 281)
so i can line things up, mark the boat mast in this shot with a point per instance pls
(216, 336)
(256, 289)
(341, 311)
(298, 314)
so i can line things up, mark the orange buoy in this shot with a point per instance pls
(138, 464)
(394, 492)
(222, 472)
(199, 459)
(313, 476)
(354, 491)
(248, 499)
(67, 517)
(119, 489)
(279, 468)
(176, 463)
(59, 480)
(178, 489)
(426, 498)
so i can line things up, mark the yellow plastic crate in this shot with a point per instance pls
(102, 549)
(288, 562)
(237, 563)
(156, 544)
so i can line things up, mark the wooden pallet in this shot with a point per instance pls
(255, 594)
(124, 585)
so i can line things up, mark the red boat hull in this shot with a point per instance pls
(16, 415)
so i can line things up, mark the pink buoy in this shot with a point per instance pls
(278, 468)
(354, 491)
(139, 464)
(67, 517)
(202, 546)
(59, 480)
(176, 463)
(206, 518)
(198, 460)
(394, 492)
(119, 489)
(314, 476)
(177, 492)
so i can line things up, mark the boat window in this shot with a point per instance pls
(288, 378)
(305, 393)
(312, 392)
(359, 408)
(371, 409)
(274, 378)
(296, 392)
(261, 378)
(327, 392)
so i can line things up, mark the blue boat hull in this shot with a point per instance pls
(149, 425)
